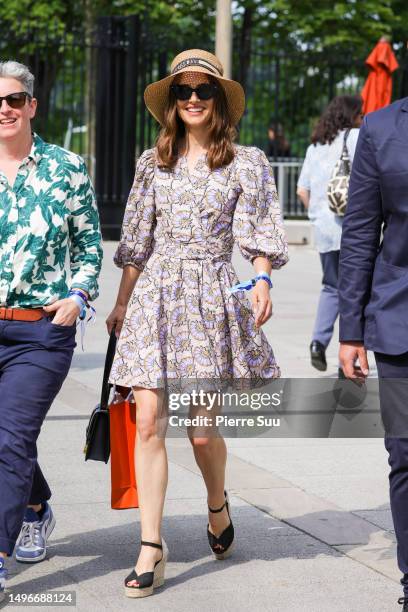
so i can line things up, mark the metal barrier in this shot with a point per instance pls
(286, 171)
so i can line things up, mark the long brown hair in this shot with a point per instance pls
(340, 114)
(221, 132)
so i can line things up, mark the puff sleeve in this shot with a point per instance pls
(139, 221)
(257, 225)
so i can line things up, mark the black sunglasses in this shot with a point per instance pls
(15, 100)
(205, 91)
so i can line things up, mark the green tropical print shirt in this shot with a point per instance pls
(50, 237)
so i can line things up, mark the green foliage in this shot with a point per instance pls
(22, 15)
(307, 34)
(186, 18)
(318, 24)
(315, 24)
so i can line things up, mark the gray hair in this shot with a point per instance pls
(15, 70)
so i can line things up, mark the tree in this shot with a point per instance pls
(313, 30)
(311, 24)
(321, 24)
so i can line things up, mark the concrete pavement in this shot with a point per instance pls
(312, 518)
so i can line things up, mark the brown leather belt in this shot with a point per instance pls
(21, 314)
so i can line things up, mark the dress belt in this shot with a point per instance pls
(21, 314)
(177, 252)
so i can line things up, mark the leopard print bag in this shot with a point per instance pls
(337, 188)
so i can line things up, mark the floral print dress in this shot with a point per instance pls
(179, 229)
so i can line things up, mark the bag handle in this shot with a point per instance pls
(129, 395)
(106, 386)
(344, 152)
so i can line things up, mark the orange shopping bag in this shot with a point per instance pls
(122, 419)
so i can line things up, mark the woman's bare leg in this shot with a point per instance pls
(210, 453)
(151, 474)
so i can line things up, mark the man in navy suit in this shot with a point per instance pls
(373, 288)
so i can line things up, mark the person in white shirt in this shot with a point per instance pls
(343, 113)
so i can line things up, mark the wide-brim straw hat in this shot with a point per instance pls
(195, 60)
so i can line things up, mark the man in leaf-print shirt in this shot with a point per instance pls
(50, 244)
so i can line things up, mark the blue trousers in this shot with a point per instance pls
(396, 366)
(34, 361)
(328, 308)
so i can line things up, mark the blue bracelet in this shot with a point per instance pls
(247, 285)
(79, 292)
(80, 302)
(81, 299)
(264, 276)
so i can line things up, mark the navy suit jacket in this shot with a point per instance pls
(373, 275)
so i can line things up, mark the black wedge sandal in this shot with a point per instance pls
(223, 545)
(148, 581)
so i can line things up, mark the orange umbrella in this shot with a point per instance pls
(377, 89)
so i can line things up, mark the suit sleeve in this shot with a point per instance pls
(360, 238)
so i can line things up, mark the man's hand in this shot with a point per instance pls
(349, 354)
(261, 302)
(66, 311)
(115, 319)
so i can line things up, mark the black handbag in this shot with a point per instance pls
(97, 446)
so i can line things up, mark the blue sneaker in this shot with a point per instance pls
(3, 576)
(31, 545)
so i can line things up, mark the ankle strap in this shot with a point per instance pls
(218, 509)
(222, 507)
(152, 544)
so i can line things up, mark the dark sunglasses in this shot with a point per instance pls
(205, 91)
(15, 100)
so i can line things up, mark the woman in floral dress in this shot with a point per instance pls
(194, 195)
